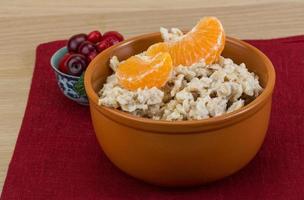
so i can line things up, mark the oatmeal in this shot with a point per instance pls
(196, 92)
(193, 92)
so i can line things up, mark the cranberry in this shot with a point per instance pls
(94, 37)
(75, 41)
(115, 34)
(87, 48)
(62, 64)
(104, 44)
(91, 56)
(76, 64)
(111, 39)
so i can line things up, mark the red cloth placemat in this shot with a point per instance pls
(58, 157)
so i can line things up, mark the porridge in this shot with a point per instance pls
(193, 92)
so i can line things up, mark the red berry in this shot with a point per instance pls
(102, 45)
(75, 41)
(114, 34)
(76, 64)
(62, 64)
(91, 56)
(94, 37)
(111, 39)
(87, 48)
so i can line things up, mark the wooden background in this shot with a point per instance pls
(26, 23)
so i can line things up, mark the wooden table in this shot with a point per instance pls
(26, 24)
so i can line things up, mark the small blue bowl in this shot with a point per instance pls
(66, 82)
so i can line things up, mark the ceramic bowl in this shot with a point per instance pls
(181, 153)
(66, 82)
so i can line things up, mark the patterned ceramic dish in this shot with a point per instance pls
(67, 82)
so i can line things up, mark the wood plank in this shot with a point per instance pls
(14, 8)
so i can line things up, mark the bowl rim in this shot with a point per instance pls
(196, 125)
(56, 56)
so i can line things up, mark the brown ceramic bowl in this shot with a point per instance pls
(187, 152)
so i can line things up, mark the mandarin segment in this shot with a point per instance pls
(205, 41)
(138, 72)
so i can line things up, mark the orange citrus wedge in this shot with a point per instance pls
(205, 41)
(137, 72)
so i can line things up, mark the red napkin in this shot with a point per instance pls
(58, 157)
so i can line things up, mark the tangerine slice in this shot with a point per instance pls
(138, 72)
(205, 41)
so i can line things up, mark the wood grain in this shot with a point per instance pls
(25, 24)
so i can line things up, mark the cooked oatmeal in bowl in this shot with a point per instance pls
(166, 145)
(194, 92)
